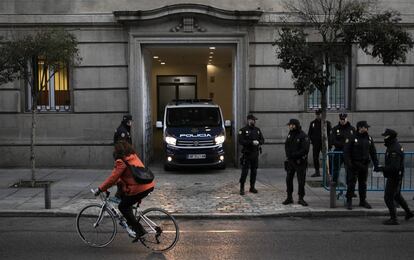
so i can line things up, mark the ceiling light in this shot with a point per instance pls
(211, 57)
(162, 63)
(212, 48)
(155, 57)
(211, 52)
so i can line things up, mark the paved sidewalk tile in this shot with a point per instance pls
(190, 192)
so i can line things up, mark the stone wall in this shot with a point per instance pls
(382, 95)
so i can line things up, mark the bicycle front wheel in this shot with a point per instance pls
(163, 232)
(96, 226)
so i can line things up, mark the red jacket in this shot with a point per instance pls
(121, 173)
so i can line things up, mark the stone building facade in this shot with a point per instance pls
(116, 76)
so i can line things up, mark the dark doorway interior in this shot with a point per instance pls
(174, 87)
(186, 72)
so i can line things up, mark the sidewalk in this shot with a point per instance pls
(206, 194)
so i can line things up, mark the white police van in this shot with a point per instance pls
(194, 134)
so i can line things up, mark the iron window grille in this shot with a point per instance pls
(337, 94)
(55, 96)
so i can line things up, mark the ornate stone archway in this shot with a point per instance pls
(179, 25)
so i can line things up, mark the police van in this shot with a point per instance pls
(194, 134)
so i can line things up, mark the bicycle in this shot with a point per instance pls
(96, 225)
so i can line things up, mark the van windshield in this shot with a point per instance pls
(193, 117)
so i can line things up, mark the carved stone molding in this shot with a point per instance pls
(189, 25)
(190, 9)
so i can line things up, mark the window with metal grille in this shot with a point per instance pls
(337, 92)
(55, 95)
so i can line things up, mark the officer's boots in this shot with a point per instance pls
(409, 215)
(241, 188)
(288, 200)
(348, 203)
(302, 202)
(391, 221)
(252, 189)
(365, 204)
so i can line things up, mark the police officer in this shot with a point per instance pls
(315, 136)
(342, 131)
(357, 151)
(250, 137)
(296, 149)
(123, 132)
(394, 171)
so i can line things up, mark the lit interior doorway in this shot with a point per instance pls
(187, 71)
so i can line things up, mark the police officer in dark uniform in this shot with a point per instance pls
(394, 171)
(315, 136)
(251, 138)
(296, 149)
(123, 132)
(342, 131)
(357, 151)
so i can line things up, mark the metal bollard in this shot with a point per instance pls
(47, 196)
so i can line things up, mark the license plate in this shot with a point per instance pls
(196, 156)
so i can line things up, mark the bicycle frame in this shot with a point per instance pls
(117, 214)
(148, 221)
(104, 205)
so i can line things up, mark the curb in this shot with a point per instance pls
(283, 214)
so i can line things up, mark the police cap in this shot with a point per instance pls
(127, 117)
(362, 124)
(294, 121)
(251, 117)
(342, 116)
(318, 111)
(389, 133)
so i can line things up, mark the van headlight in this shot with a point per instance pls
(220, 139)
(170, 140)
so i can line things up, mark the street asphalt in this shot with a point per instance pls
(186, 194)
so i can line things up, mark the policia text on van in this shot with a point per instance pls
(193, 133)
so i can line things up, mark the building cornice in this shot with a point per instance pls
(178, 9)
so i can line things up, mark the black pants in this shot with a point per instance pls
(251, 163)
(300, 169)
(336, 161)
(358, 172)
(125, 206)
(316, 149)
(393, 192)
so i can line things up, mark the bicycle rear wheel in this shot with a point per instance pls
(96, 227)
(163, 231)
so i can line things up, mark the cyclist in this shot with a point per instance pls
(132, 192)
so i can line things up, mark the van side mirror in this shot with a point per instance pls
(158, 124)
(227, 123)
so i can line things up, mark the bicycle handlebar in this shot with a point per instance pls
(102, 195)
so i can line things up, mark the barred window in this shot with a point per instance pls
(55, 96)
(337, 94)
